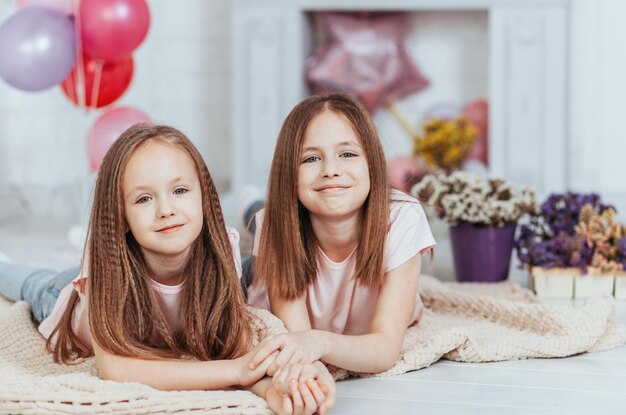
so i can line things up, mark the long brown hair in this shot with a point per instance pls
(287, 259)
(124, 315)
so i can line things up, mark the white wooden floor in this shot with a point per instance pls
(593, 383)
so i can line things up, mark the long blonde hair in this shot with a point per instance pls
(124, 315)
(288, 248)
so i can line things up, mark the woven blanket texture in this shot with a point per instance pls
(461, 322)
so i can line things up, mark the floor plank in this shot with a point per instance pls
(451, 391)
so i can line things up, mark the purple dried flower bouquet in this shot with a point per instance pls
(573, 230)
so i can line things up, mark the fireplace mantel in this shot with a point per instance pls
(528, 71)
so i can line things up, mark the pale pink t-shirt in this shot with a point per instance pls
(168, 298)
(336, 302)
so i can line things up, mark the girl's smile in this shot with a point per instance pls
(332, 188)
(170, 228)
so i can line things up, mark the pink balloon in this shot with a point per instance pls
(403, 171)
(113, 29)
(477, 113)
(107, 128)
(66, 6)
(364, 56)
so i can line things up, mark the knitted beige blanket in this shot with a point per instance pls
(462, 322)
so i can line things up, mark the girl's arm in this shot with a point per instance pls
(217, 374)
(178, 374)
(374, 352)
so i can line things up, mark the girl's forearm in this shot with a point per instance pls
(170, 374)
(367, 353)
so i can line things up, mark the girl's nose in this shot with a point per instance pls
(330, 168)
(166, 209)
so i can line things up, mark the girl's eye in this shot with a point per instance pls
(143, 199)
(348, 154)
(311, 159)
(180, 191)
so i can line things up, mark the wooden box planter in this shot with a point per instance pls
(591, 284)
(620, 286)
(553, 282)
(568, 283)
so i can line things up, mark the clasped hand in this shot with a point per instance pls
(302, 388)
(300, 383)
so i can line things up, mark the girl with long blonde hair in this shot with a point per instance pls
(338, 252)
(160, 281)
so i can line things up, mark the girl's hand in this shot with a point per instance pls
(310, 386)
(303, 399)
(245, 374)
(301, 347)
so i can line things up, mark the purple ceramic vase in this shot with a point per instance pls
(481, 253)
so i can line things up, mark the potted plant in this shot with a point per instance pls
(482, 215)
(573, 247)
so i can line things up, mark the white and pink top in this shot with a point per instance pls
(168, 297)
(336, 302)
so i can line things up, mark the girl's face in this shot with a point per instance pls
(333, 177)
(162, 200)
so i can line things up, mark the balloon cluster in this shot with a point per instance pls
(86, 47)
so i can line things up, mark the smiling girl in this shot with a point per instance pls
(338, 252)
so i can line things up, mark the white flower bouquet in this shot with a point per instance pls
(465, 197)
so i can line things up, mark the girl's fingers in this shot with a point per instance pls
(317, 392)
(265, 364)
(287, 406)
(265, 349)
(294, 373)
(284, 357)
(296, 398)
(330, 399)
(307, 372)
(310, 404)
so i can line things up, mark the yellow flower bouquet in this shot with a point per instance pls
(445, 144)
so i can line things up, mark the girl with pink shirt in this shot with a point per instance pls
(159, 283)
(337, 252)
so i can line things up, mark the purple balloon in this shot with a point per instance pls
(37, 48)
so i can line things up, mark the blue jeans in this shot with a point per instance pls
(38, 287)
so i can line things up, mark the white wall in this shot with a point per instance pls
(182, 78)
(598, 84)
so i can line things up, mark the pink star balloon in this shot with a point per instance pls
(364, 56)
